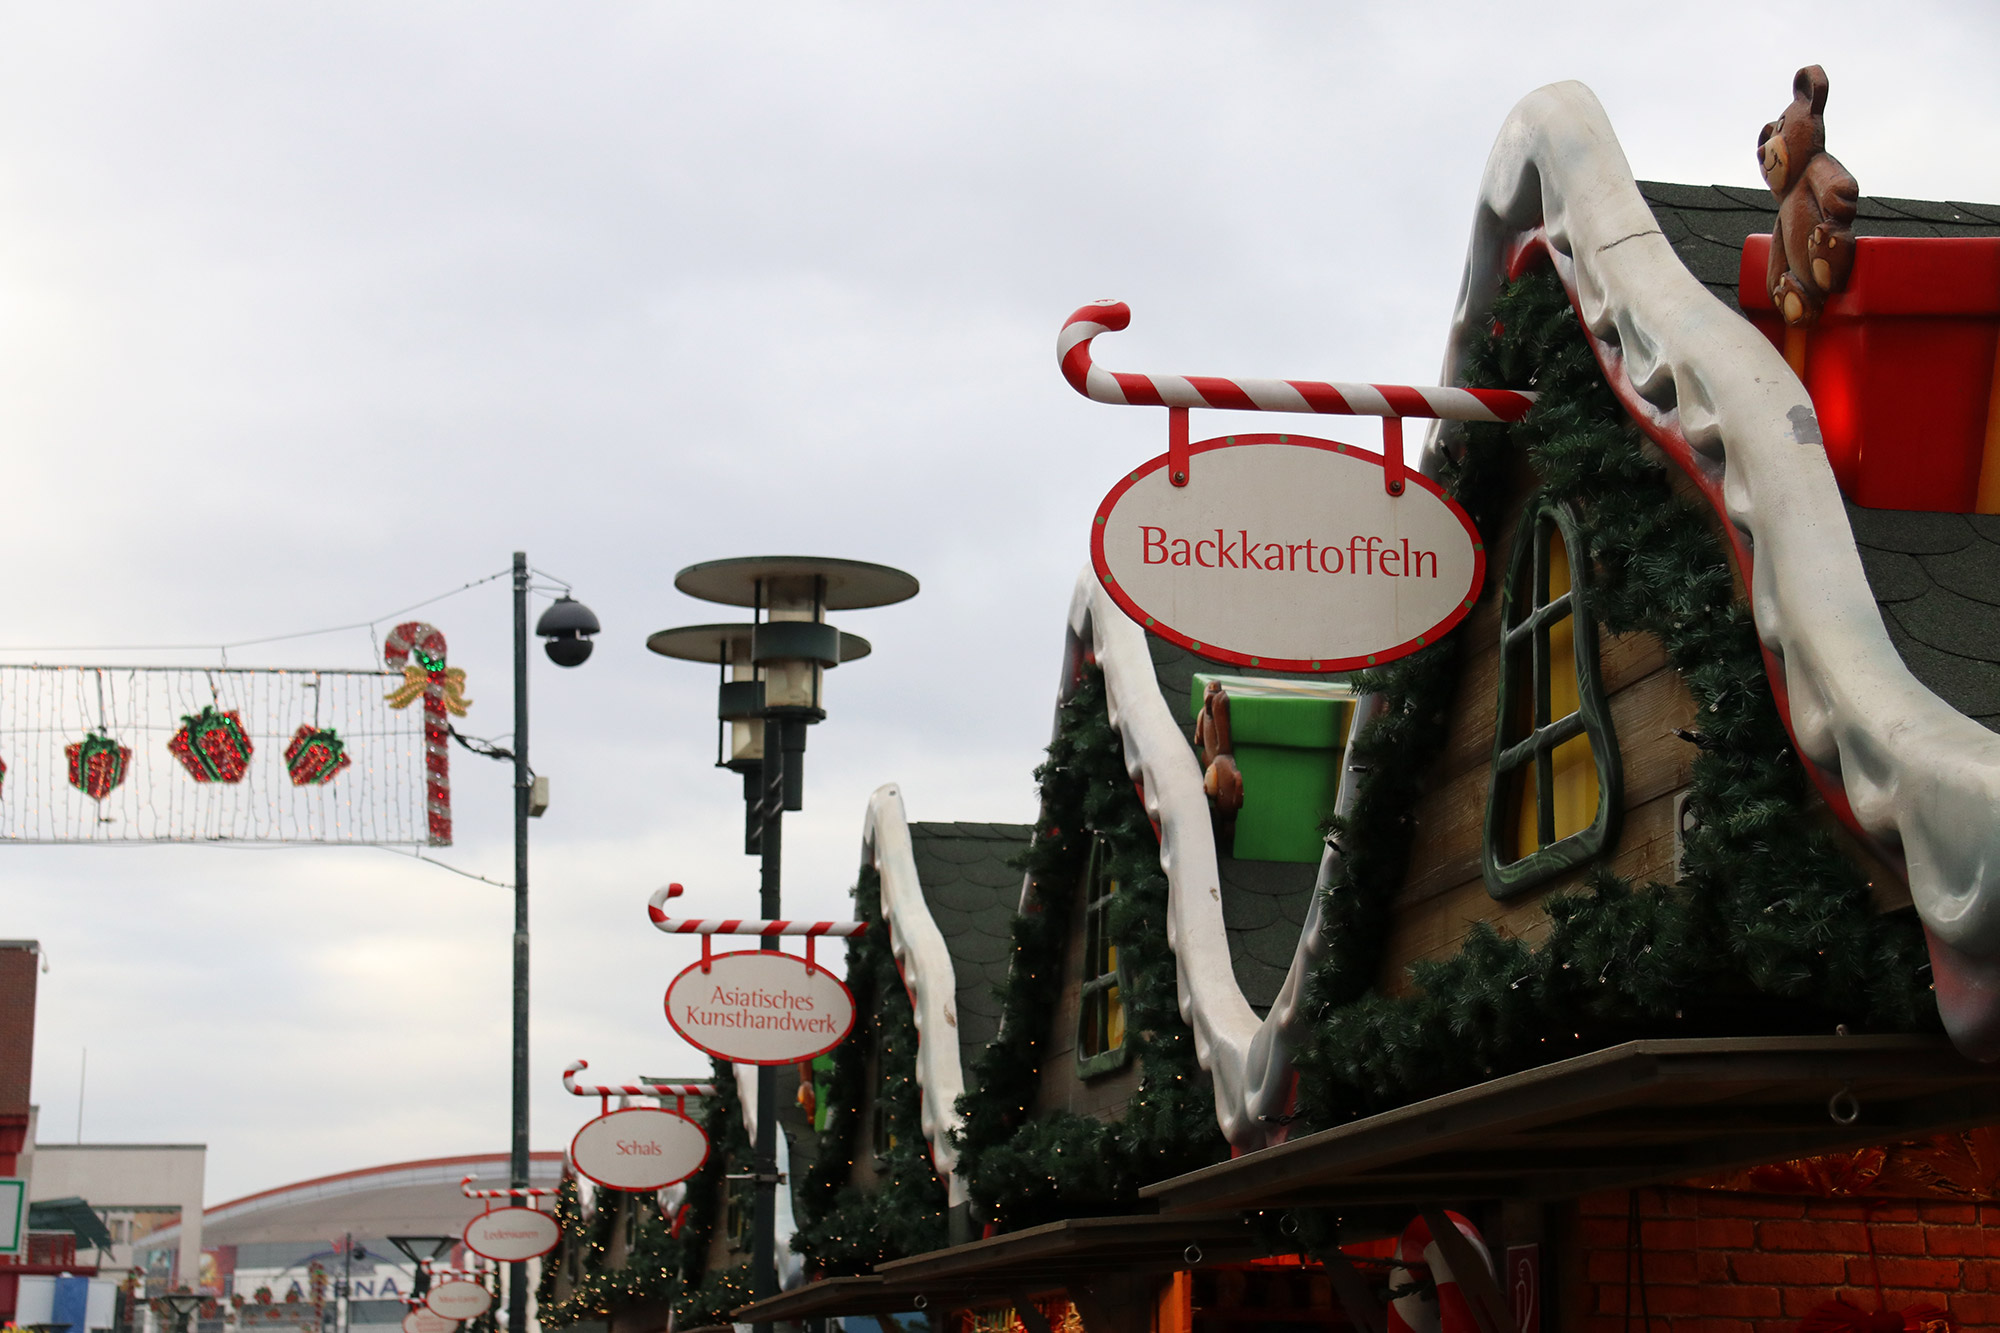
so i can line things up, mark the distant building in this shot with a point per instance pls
(136, 1189)
(301, 1242)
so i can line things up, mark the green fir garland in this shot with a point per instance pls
(845, 1229)
(1022, 1170)
(1770, 928)
(590, 1279)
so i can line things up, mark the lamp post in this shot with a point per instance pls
(566, 626)
(773, 673)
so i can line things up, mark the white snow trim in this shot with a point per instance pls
(1916, 771)
(1248, 1059)
(791, 1267)
(928, 975)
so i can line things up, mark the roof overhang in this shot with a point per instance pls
(1039, 1261)
(1640, 1113)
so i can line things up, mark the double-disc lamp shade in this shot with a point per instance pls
(567, 626)
(776, 663)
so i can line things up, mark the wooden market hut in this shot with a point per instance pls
(1646, 948)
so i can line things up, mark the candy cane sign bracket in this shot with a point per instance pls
(756, 1006)
(511, 1234)
(1178, 393)
(638, 1147)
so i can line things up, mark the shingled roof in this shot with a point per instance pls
(1936, 577)
(973, 888)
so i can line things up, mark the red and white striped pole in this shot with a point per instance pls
(707, 927)
(604, 1092)
(1178, 393)
(537, 1192)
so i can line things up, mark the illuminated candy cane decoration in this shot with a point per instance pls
(442, 689)
(1178, 393)
(1447, 1310)
(674, 925)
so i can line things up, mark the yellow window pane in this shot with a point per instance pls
(1574, 798)
(1114, 1024)
(1527, 829)
(1558, 565)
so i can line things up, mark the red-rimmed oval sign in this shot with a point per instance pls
(760, 1007)
(512, 1235)
(458, 1298)
(421, 1320)
(639, 1148)
(1287, 553)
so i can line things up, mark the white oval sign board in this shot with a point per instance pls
(760, 1007)
(421, 1320)
(459, 1299)
(511, 1235)
(1287, 553)
(639, 1148)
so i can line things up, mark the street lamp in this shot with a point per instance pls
(773, 682)
(423, 1251)
(182, 1306)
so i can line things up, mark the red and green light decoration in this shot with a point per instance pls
(97, 764)
(315, 756)
(212, 746)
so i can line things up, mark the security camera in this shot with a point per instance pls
(567, 625)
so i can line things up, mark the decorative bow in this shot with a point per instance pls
(417, 681)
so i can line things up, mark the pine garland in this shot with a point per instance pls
(596, 1275)
(843, 1228)
(1769, 929)
(1022, 1170)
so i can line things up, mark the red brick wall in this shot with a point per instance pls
(1739, 1263)
(17, 1026)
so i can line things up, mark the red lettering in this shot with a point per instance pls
(1309, 556)
(1330, 561)
(1422, 556)
(1197, 553)
(1180, 552)
(1150, 543)
(1225, 552)
(1387, 556)
(1249, 552)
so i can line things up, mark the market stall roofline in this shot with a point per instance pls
(1639, 1113)
(1034, 1262)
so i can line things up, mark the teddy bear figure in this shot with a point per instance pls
(1812, 247)
(1220, 778)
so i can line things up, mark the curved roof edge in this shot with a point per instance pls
(1916, 773)
(925, 965)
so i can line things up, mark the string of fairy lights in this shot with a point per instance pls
(208, 754)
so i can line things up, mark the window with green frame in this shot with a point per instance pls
(1557, 788)
(1100, 1020)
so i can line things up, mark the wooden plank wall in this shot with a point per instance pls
(1443, 892)
(1060, 1088)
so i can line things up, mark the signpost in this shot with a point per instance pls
(512, 1235)
(639, 1148)
(759, 1007)
(420, 1319)
(458, 1297)
(1286, 553)
(1281, 551)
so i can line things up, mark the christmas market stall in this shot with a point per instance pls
(1619, 940)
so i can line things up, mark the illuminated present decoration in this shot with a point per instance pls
(315, 756)
(97, 765)
(212, 746)
(275, 738)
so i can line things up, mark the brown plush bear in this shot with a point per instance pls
(1812, 247)
(1221, 779)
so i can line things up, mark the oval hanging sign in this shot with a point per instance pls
(421, 1320)
(1287, 553)
(459, 1298)
(760, 1007)
(639, 1148)
(511, 1235)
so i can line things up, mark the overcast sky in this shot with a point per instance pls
(308, 312)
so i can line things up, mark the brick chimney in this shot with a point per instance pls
(20, 961)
